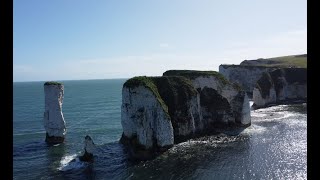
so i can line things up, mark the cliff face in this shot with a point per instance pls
(280, 86)
(250, 71)
(157, 112)
(245, 76)
(144, 118)
(221, 102)
(54, 123)
(182, 101)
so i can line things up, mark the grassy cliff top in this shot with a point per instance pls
(153, 83)
(262, 67)
(52, 83)
(193, 74)
(298, 61)
(138, 81)
(174, 84)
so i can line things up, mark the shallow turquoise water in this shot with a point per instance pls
(274, 147)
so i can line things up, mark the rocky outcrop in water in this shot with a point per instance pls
(54, 123)
(157, 112)
(89, 149)
(281, 86)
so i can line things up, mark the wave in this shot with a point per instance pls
(255, 129)
(70, 162)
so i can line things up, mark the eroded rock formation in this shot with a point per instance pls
(89, 149)
(217, 95)
(285, 85)
(54, 123)
(246, 76)
(157, 112)
(250, 71)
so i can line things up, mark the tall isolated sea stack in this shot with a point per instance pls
(54, 123)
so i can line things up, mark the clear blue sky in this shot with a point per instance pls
(101, 39)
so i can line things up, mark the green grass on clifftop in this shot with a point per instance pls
(193, 74)
(148, 83)
(52, 83)
(297, 61)
(165, 88)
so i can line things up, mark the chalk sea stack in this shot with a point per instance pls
(89, 149)
(54, 123)
(158, 112)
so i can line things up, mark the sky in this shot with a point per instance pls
(106, 39)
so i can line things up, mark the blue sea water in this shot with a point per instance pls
(273, 147)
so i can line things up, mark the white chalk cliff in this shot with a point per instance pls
(245, 76)
(157, 112)
(54, 123)
(143, 117)
(285, 85)
(250, 71)
(232, 95)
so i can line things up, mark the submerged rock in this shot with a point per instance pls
(89, 149)
(281, 86)
(157, 112)
(54, 123)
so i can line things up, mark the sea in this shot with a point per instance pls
(273, 147)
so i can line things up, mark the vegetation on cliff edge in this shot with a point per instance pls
(52, 83)
(297, 61)
(193, 74)
(148, 83)
(165, 88)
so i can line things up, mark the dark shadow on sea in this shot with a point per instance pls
(188, 160)
(182, 161)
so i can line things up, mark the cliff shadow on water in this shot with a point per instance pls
(112, 160)
(187, 159)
